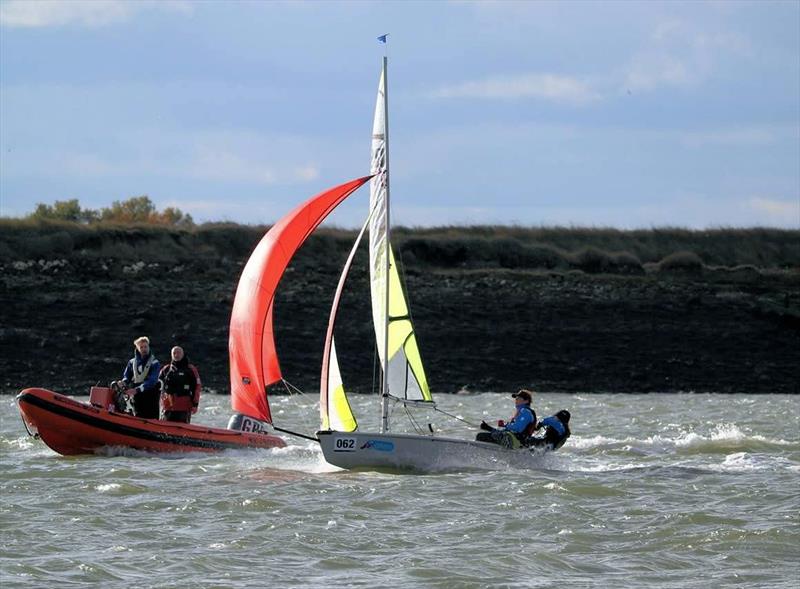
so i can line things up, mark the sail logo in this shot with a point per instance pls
(379, 445)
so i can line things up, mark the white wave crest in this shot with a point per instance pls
(724, 438)
(581, 443)
(108, 487)
(726, 432)
(744, 462)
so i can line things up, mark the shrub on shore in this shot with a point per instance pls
(552, 249)
(681, 262)
(758, 246)
(137, 209)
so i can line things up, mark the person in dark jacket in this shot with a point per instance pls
(556, 431)
(180, 389)
(514, 433)
(140, 380)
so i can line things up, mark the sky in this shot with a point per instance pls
(600, 114)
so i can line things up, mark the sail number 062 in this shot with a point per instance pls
(344, 445)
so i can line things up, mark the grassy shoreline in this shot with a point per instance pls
(591, 250)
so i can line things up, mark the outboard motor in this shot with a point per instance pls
(244, 423)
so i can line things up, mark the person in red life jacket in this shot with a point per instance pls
(180, 389)
(140, 380)
(516, 432)
(556, 431)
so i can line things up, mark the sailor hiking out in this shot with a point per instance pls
(516, 432)
(556, 431)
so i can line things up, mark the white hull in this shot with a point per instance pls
(408, 452)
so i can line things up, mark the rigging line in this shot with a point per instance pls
(299, 435)
(401, 271)
(290, 387)
(413, 421)
(435, 408)
(374, 365)
(411, 402)
(396, 401)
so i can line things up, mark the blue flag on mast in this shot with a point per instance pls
(382, 38)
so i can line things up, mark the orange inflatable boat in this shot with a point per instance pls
(72, 427)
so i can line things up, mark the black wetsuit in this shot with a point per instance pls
(555, 434)
(179, 384)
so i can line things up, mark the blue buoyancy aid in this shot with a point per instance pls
(556, 424)
(523, 421)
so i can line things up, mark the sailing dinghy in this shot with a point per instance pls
(72, 427)
(403, 378)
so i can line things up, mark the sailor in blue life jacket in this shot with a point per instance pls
(140, 379)
(556, 431)
(514, 433)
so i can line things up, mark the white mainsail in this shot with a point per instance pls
(397, 343)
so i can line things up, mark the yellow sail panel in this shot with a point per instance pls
(414, 360)
(399, 321)
(345, 420)
(406, 376)
(337, 415)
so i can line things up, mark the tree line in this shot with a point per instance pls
(137, 209)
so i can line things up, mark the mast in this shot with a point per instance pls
(387, 250)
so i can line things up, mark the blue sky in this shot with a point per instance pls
(532, 113)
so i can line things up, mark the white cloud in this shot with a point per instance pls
(679, 55)
(306, 173)
(543, 86)
(85, 13)
(704, 210)
(651, 70)
(741, 136)
(237, 156)
(221, 164)
(227, 208)
(780, 212)
(89, 164)
(431, 216)
(691, 211)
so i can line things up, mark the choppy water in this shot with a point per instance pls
(651, 491)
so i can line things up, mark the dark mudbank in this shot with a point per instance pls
(68, 321)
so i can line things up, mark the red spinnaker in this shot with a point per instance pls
(251, 344)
